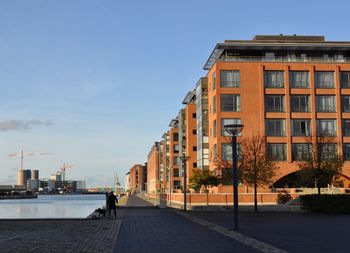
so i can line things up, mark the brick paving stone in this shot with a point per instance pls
(156, 230)
(293, 232)
(42, 236)
(136, 201)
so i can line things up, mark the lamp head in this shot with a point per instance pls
(233, 129)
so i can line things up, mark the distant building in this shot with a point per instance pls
(35, 174)
(81, 184)
(138, 178)
(33, 184)
(57, 176)
(153, 169)
(23, 176)
(127, 181)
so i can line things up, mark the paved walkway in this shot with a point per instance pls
(158, 231)
(293, 232)
(136, 201)
(42, 236)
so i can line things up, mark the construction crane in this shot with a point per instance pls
(63, 170)
(22, 154)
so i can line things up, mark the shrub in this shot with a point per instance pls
(283, 198)
(326, 203)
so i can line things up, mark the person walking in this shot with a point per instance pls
(112, 202)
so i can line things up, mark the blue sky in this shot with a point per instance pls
(97, 82)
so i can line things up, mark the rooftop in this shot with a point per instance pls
(274, 43)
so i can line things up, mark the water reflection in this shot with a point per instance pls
(51, 206)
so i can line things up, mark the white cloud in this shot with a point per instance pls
(21, 125)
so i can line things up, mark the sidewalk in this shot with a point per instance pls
(293, 232)
(73, 235)
(157, 230)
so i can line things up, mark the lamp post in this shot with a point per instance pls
(184, 159)
(234, 130)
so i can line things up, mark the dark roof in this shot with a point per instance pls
(190, 95)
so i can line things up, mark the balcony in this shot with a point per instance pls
(282, 59)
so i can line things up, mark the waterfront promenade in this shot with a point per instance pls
(142, 227)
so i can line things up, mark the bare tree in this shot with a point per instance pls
(321, 165)
(254, 167)
(257, 169)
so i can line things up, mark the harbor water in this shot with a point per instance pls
(51, 206)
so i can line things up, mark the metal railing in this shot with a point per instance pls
(281, 59)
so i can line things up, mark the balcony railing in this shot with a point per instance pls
(281, 59)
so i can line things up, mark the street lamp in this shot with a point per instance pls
(234, 130)
(184, 159)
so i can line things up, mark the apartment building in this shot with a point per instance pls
(174, 157)
(188, 130)
(138, 178)
(201, 102)
(164, 158)
(153, 169)
(289, 89)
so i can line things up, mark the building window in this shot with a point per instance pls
(299, 79)
(325, 103)
(346, 127)
(229, 78)
(177, 184)
(215, 151)
(227, 175)
(345, 103)
(276, 152)
(176, 148)
(214, 104)
(275, 127)
(301, 127)
(226, 151)
(324, 79)
(227, 122)
(194, 115)
(175, 137)
(299, 103)
(329, 150)
(176, 173)
(346, 151)
(326, 127)
(274, 79)
(176, 160)
(230, 103)
(194, 131)
(345, 79)
(214, 128)
(301, 151)
(274, 103)
(194, 165)
(213, 77)
(194, 148)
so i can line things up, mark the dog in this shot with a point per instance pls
(101, 212)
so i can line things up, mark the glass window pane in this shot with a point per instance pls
(324, 79)
(325, 103)
(274, 103)
(274, 79)
(326, 127)
(275, 127)
(230, 103)
(229, 78)
(276, 151)
(299, 79)
(345, 79)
